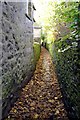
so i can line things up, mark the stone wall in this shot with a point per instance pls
(17, 51)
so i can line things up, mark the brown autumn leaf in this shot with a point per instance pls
(51, 101)
(35, 116)
(41, 96)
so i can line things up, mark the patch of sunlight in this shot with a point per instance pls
(50, 37)
(64, 49)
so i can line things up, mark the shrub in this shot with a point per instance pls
(66, 58)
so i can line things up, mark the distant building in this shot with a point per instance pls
(37, 34)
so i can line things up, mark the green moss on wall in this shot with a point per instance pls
(37, 50)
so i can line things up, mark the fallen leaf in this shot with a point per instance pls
(32, 104)
(51, 101)
(55, 98)
(57, 112)
(36, 116)
(14, 110)
(32, 108)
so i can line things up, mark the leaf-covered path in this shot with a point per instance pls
(41, 98)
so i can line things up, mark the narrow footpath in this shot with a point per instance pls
(41, 98)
